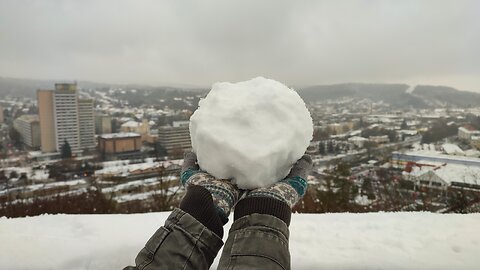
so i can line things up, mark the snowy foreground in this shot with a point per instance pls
(318, 241)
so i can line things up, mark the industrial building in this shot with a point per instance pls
(442, 176)
(119, 145)
(400, 159)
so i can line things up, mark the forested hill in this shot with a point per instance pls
(397, 95)
(422, 96)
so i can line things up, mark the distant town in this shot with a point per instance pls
(119, 150)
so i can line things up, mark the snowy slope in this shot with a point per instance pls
(318, 241)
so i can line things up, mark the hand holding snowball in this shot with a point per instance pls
(291, 189)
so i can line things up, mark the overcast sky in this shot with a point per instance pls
(201, 42)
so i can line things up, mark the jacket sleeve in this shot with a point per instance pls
(182, 243)
(257, 241)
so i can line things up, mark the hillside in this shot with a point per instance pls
(412, 240)
(27, 87)
(422, 96)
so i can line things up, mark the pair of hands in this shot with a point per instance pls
(289, 190)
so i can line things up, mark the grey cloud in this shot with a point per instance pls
(200, 42)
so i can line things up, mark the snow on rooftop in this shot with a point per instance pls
(124, 169)
(132, 124)
(457, 173)
(357, 139)
(452, 149)
(436, 154)
(80, 182)
(413, 240)
(448, 172)
(144, 195)
(119, 135)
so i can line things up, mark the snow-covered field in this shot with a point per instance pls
(318, 241)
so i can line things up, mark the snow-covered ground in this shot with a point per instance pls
(318, 241)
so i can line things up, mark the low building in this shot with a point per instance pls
(475, 142)
(175, 138)
(142, 128)
(443, 176)
(379, 139)
(400, 160)
(29, 128)
(466, 132)
(358, 141)
(452, 149)
(119, 145)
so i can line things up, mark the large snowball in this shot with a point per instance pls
(251, 132)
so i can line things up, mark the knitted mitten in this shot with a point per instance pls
(279, 198)
(291, 189)
(224, 193)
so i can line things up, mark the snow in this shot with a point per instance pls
(72, 183)
(120, 135)
(131, 124)
(123, 168)
(412, 240)
(362, 200)
(452, 149)
(251, 131)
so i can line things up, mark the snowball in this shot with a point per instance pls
(251, 132)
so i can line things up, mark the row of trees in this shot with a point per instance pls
(439, 130)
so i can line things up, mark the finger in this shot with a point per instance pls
(302, 167)
(190, 161)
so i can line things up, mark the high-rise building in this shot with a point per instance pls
(86, 122)
(65, 105)
(1, 115)
(29, 128)
(103, 124)
(47, 123)
(65, 117)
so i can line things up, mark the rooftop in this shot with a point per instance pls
(132, 124)
(436, 154)
(119, 135)
(29, 118)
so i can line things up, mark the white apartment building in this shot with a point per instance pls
(65, 117)
(65, 108)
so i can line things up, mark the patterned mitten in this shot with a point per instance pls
(224, 194)
(279, 198)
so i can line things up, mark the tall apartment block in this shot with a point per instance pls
(86, 123)
(103, 124)
(65, 117)
(65, 107)
(29, 128)
(47, 124)
(1, 114)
